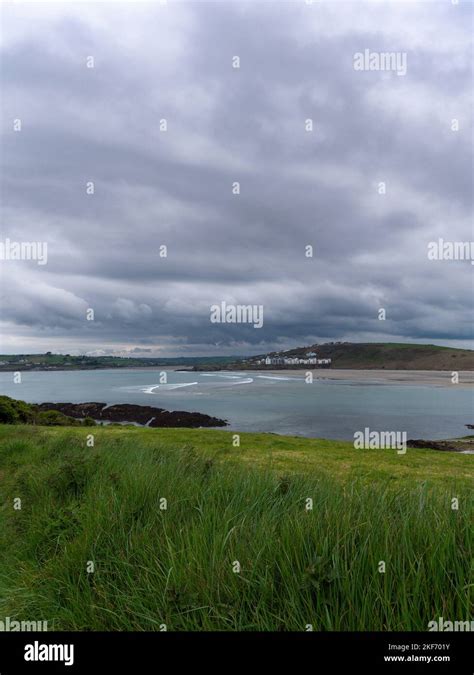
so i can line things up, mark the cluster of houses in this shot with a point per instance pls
(310, 359)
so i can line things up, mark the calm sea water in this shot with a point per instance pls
(282, 404)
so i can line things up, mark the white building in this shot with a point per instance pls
(294, 361)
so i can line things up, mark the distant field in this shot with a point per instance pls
(236, 547)
(49, 361)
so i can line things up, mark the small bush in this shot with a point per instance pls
(54, 418)
(14, 412)
(8, 414)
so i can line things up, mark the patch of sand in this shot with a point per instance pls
(437, 378)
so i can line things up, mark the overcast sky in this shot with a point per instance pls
(225, 125)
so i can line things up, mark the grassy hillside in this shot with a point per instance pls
(227, 505)
(390, 356)
(50, 361)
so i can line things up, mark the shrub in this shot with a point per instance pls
(14, 412)
(8, 414)
(54, 418)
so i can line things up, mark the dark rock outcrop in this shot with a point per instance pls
(446, 446)
(77, 410)
(140, 414)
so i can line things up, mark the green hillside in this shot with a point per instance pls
(49, 361)
(186, 531)
(389, 356)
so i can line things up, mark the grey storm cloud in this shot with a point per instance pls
(173, 188)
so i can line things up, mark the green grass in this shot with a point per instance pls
(174, 566)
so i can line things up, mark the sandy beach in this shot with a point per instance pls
(437, 378)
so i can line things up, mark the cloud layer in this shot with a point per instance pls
(224, 125)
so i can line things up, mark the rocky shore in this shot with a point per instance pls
(456, 445)
(139, 414)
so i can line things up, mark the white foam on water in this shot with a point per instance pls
(166, 387)
(229, 377)
(271, 377)
(178, 386)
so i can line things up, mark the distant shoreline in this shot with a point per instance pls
(404, 375)
(437, 378)
(361, 356)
